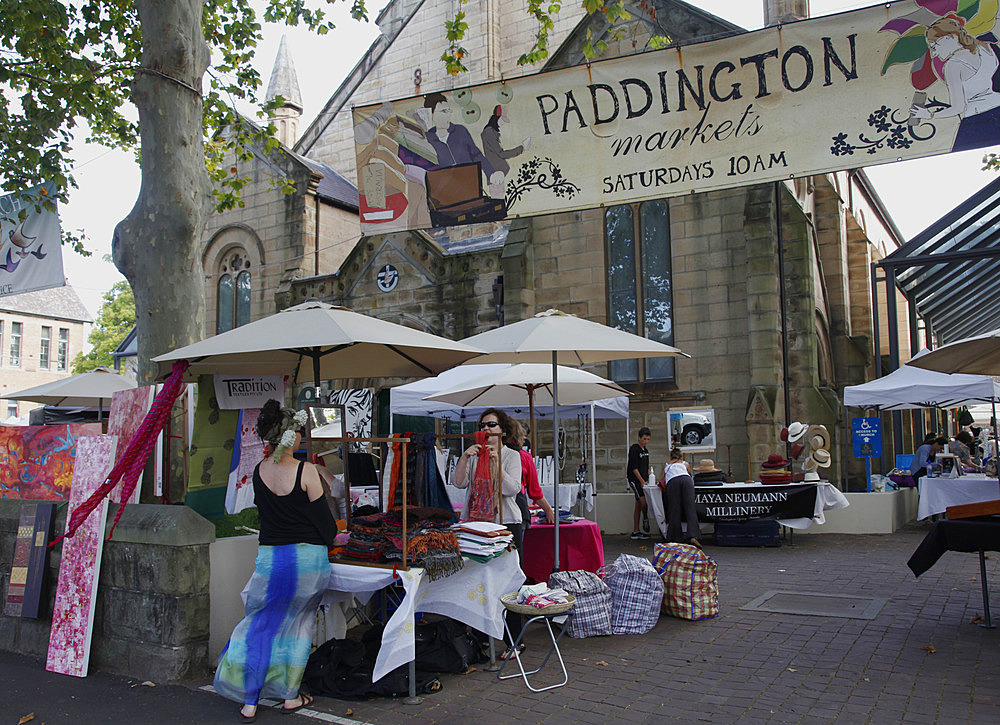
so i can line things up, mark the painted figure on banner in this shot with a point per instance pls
(952, 45)
(495, 153)
(36, 462)
(28, 237)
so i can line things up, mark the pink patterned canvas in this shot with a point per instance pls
(128, 408)
(80, 563)
(251, 448)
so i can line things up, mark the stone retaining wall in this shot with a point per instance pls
(152, 615)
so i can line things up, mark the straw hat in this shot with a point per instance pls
(706, 465)
(822, 457)
(795, 431)
(811, 476)
(818, 436)
(809, 464)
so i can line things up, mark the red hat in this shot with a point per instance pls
(775, 460)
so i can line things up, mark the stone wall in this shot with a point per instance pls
(152, 616)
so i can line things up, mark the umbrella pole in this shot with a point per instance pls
(315, 359)
(996, 443)
(555, 454)
(531, 417)
(593, 461)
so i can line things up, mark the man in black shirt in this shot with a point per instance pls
(637, 473)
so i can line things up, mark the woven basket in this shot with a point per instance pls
(510, 601)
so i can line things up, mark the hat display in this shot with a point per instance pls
(818, 436)
(706, 465)
(822, 457)
(795, 431)
(796, 451)
(775, 460)
(809, 464)
(811, 476)
(783, 435)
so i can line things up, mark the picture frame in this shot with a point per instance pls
(692, 429)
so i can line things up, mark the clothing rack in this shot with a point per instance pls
(405, 442)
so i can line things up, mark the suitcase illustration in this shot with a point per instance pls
(455, 196)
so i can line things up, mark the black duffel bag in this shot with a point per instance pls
(446, 646)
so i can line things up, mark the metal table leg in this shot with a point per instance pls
(988, 624)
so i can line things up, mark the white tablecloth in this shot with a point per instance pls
(937, 494)
(828, 497)
(471, 596)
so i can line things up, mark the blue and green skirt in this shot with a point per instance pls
(267, 653)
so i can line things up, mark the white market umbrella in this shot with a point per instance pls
(532, 381)
(561, 339)
(86, 390)
(339, 344)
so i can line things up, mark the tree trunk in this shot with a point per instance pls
(157, 245)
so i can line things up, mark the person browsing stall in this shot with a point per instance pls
(507, 464)
(267, 652)
(926, 453)
(678, 499)
(962, 447)
(637, 473)
(529, 473)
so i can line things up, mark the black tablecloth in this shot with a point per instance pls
(981, 533)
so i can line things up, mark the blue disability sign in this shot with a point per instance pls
(866, 435)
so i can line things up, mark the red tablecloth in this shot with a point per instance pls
(580, 547)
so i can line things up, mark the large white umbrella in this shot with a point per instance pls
(337, 342)
(979, 355)
(510, 386)
(85, 390)
(556, 337)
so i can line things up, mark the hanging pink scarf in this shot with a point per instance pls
(482, 502)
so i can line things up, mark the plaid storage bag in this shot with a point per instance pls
(592, 611)
(690, 581)
(636, 593)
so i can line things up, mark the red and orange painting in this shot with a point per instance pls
(36, 461)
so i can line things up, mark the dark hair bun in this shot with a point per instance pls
(270, 415)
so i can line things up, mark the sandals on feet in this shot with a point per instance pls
(509, 654)
(306, 700)
(247, 718)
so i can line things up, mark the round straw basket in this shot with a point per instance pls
(510, 601)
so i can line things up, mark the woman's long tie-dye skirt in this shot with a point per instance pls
(267, 652)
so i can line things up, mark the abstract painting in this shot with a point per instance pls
(128, 408)
(36, 461)
(80, 563)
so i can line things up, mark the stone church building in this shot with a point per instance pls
(766, 348)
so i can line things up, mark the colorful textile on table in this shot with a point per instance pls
(690, 581)
(267, 653)
(482, 503)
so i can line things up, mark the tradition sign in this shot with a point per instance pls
(897, 81)
(240, 392)
(743, 503)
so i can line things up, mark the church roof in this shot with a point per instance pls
(59, 303)
(332, 186)
(284, 81)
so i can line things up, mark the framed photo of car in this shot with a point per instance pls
(692, 429)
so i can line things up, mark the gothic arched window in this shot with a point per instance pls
(233, 292)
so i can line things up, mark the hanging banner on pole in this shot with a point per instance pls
(30, 244)
(896, 81)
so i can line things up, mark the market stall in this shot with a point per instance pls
(937, 494)
(795, 505)
(580, 548)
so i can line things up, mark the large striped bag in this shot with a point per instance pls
(690, 581)
(636, 591)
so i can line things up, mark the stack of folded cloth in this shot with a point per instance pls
(482, 540)
(378, 538)
(775, 470)
(540, 596)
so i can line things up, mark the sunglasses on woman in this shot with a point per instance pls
(488, 424)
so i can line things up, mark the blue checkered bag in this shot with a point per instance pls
(636, 593)
(592, 611)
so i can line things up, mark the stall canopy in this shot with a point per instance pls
(409, 399)
(913, 387)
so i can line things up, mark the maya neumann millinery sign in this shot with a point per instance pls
(895, 81)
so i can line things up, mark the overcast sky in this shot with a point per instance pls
(913, 191)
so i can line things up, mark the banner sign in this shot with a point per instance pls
(896, 81)
(30, 248)
(743, 503)
(239, 392)
(866, 435)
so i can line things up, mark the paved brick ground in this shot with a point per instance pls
(744, 666)
(750, 667)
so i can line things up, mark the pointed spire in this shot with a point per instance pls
(284, 81)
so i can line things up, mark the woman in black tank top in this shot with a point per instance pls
(290, 574)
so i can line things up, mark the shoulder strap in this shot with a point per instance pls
(298, 476)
